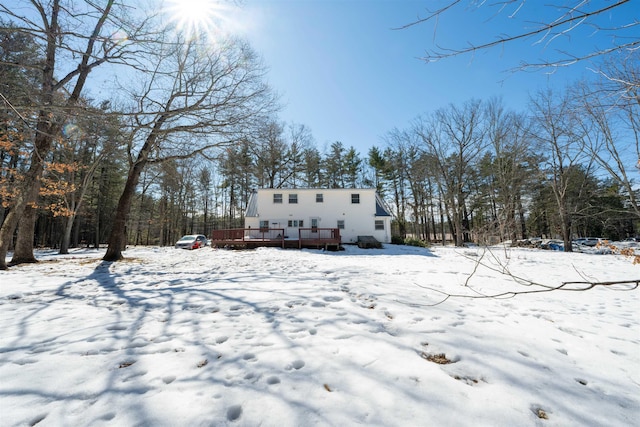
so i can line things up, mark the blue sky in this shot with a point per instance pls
(346, 73)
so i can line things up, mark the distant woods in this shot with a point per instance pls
(179, 147)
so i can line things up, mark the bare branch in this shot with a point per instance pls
(570, 19)
(565, 286)
(533, 286)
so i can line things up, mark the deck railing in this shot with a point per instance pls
(253, 234)
(320, 234)
(318, 237)
(276, 236)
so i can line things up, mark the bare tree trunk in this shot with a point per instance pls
(118, 236)
(162, 218)
(138, 228)
(523, 223)
(565, 224)
(22, 213)
(442, 229)
(28, 194)
(48, 124)
(76, 233)
(149, 224)
(96, 244)
(23, 253)
(75, 203)
(66, 237)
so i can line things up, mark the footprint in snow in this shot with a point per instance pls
(108, 416)
(293, 303)
(138, 342)
(192, 307)
(296, 364)
(250, 357)
(250, 376)
(273, 380)
(234, 412)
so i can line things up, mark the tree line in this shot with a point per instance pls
(191, 129)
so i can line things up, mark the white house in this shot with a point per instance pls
(355, 212)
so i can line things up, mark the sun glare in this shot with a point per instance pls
(196, 16)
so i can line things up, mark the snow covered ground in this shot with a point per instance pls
(274, 337)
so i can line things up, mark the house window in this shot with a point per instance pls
(314, 225)
(319, 198)
(277, 198)
(379, 224)
(293, 198)
(295, 223)
(355, 198)
(264, 225)
(341, 224)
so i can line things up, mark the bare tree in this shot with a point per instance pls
(17, 87)
(508, 134)
(619, 83)
(199, 98)
(617, 21)
(204, 185)
(87, 139)
(75, 39)
(556, 134)
(271, 151)
(455, 138)
(609, 116)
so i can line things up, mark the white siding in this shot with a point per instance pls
(359, 219)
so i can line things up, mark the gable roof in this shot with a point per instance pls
(381, 208)
(252, 204)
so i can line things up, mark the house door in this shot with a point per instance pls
(314, 225)
(292, 227)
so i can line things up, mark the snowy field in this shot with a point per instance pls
(275, 337)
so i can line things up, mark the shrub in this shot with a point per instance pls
(415, 242)
(397, 240)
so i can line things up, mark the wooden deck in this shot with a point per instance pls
(250, 238)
